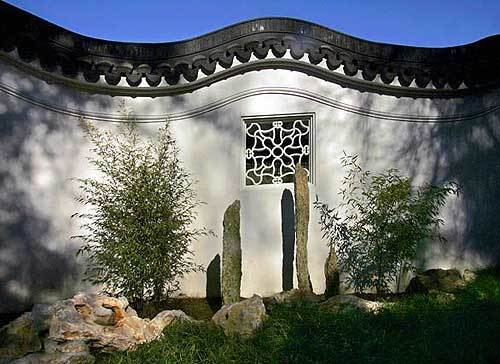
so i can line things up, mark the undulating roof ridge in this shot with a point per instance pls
(95, 65)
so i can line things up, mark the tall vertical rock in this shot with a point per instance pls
(331, 275)
(302, 227)
(288, 239)
(231, 254)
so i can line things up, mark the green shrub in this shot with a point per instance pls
(137, 229)
(378, 225)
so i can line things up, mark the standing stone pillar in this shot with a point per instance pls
(302, 227)
(231, 254)
(331, 274)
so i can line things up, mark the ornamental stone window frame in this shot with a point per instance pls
(269, 118)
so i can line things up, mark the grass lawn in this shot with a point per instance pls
(416, 329)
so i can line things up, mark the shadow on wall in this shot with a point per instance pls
(37, 152)
(213, 288)
(288, 239)
(467, 152)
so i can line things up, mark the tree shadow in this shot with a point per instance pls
(37, 260)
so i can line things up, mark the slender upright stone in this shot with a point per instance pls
(331, 274)
(301, 227)
(231, 254)
(288, 239)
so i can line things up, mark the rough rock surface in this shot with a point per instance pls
(442, 280)
(469, 276)
(231, 255)
(291, 296)
(69, 328)
(345, 302)
(104, 323)
(241, 318)
(19, 338)
(331, 275)
(57, 358)
(302, 227)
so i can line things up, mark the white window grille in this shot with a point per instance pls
(274, 145)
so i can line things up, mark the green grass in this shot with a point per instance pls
(416, 329)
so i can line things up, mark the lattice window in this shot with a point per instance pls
(274, 145)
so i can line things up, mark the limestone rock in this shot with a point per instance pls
(75, 346)
(42, 315)
(103, 323)
(57, 358)
(340, 303)
(469, 276)
(130, 311)
(164, 319)
(288, 297)
(443, 280)
(302, 227)
(231, 254)
(331, 275)
(70, 327)
(241, 318)
(19, 338)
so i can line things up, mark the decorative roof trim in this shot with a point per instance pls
(83, 63)
(259, 91)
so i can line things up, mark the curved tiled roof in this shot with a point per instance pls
(94, 65)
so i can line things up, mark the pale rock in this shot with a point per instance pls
(469, 276)
(130, 311)
(287, 297)
(57, 358)
(103, 323)
(241, 318)
(340, 303)
(75, 346)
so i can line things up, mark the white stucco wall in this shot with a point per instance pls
(42, 147)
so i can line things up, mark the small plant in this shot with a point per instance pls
(379, 223)
(138, 231)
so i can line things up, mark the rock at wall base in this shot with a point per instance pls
(241, 318)
(332, 278)
(442, 280)
(342, 303)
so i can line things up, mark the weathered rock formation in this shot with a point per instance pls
(302, 227)
(469, 276)
(241, 318)
(69, 328)
(288, 297)
(231, 254)
(340, 303)
(19, 337)
(331, 275)
(436, 280)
